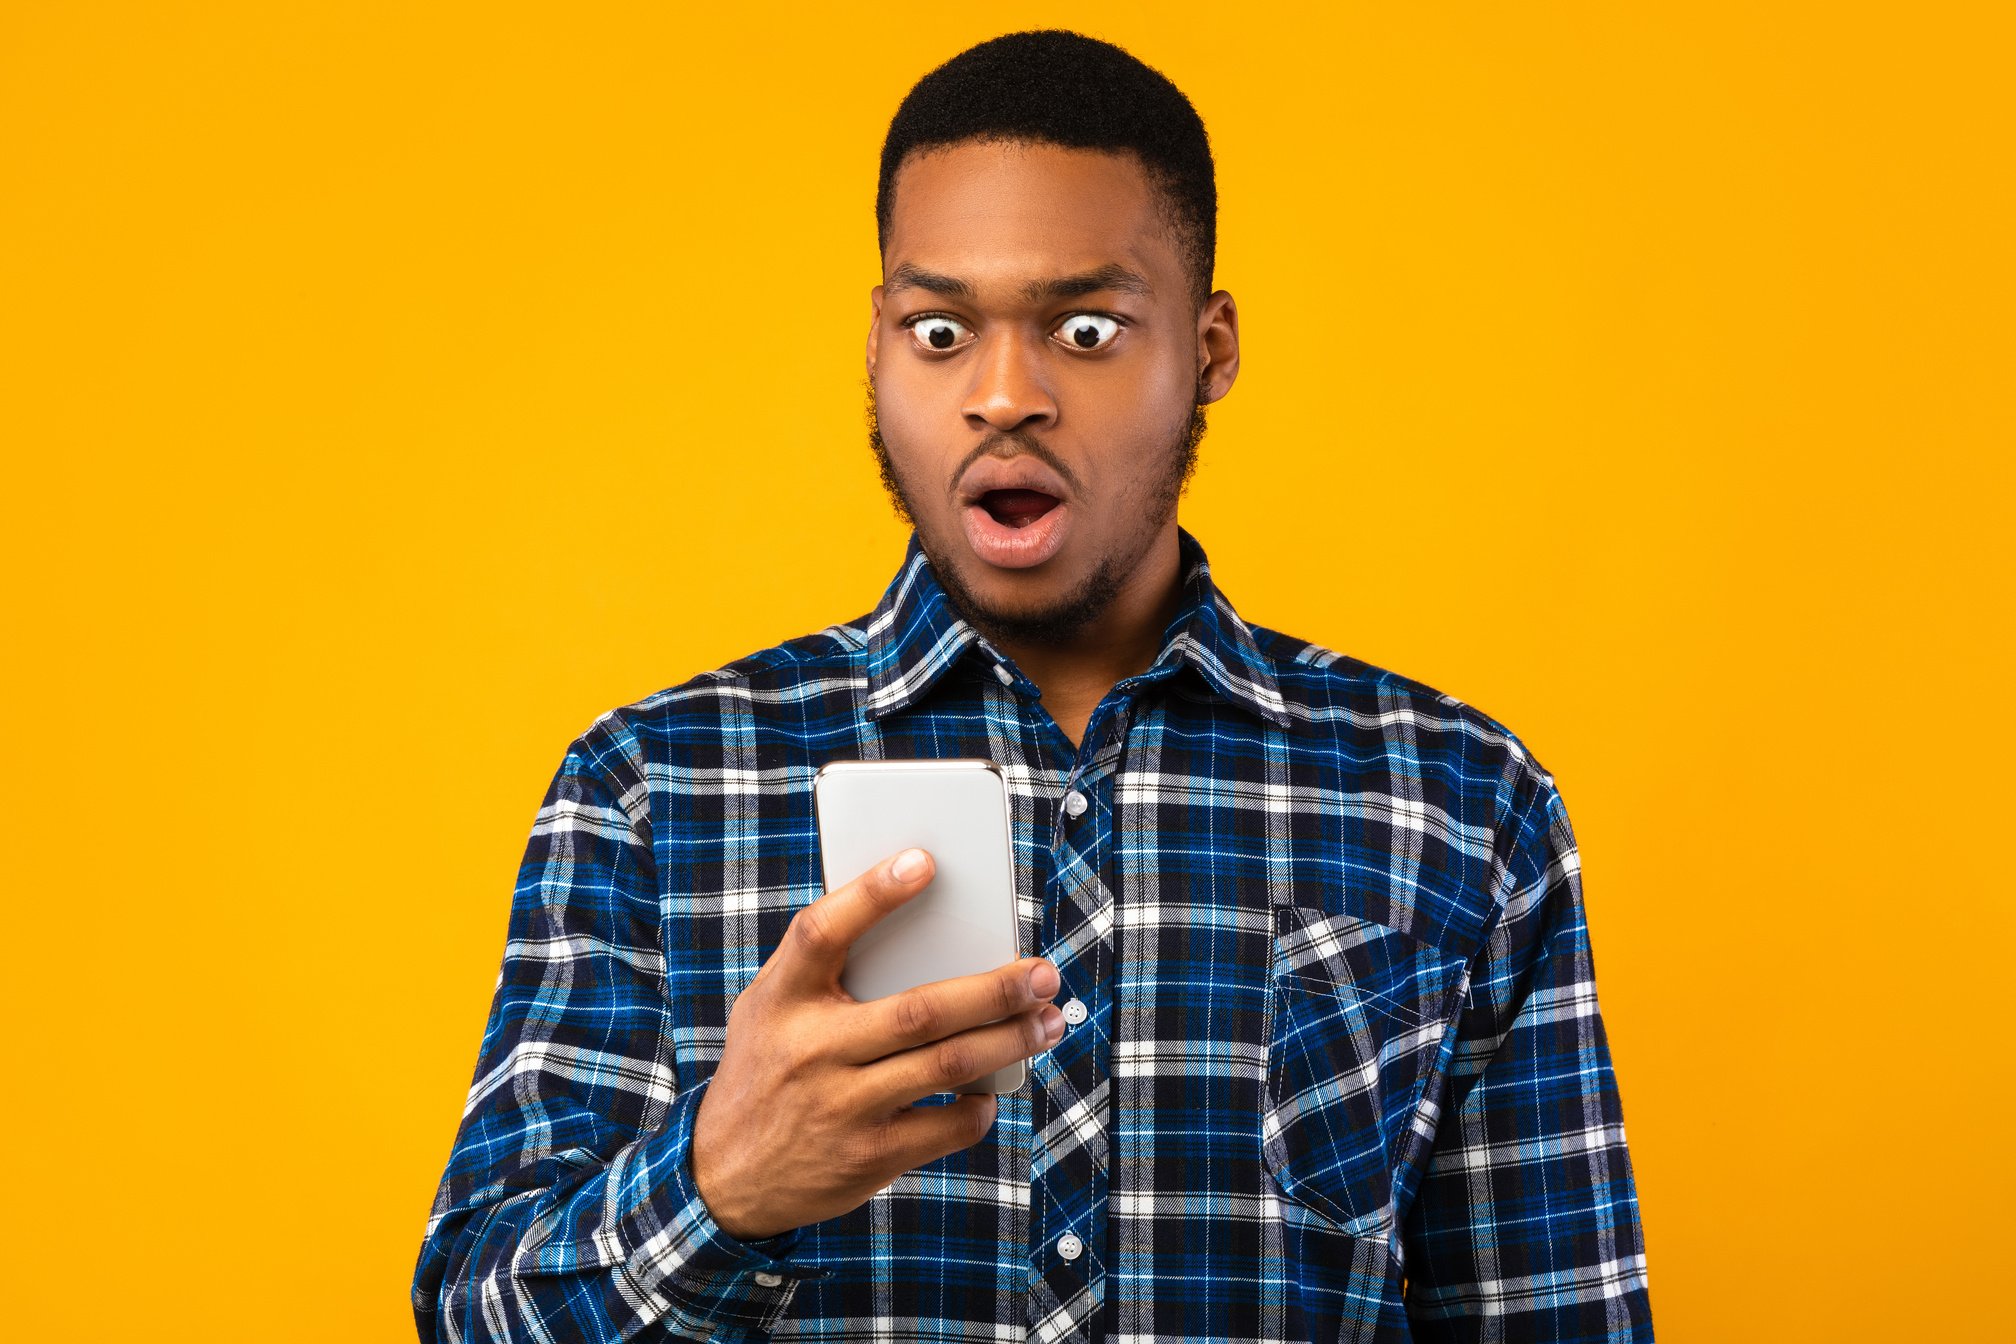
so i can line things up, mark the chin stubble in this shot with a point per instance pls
(1064, 619)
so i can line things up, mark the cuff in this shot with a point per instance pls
(680, 1262)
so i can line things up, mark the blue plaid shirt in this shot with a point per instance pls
(1340, 1073)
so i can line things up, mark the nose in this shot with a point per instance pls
(1008, 389)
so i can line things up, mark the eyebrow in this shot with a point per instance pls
(1111, 276)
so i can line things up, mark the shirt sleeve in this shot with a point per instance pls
(568, 1209)
(1525, 1226)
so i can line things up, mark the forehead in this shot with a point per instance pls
(1009, 211)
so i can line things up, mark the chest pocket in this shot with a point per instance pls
(1357, 1019)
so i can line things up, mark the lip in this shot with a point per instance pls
(1015, 473)
(1013, 547)
(1016, 547)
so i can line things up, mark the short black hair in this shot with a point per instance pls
(1063, 88)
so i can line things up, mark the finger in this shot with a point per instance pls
(957, 1060)
(942, 1008)
(930, 1132)
(816, 943)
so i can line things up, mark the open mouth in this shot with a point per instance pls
(1016, 529)
(1017, 508)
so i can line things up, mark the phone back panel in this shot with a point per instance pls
(965, 920)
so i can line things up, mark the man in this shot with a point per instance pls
(1313, 1037)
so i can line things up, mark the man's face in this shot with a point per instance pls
(1037, 377)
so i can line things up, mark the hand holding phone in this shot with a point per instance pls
(810, 1110)
(967, 922)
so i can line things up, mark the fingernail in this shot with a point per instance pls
(1053, 1023)
(909, 865)
(1043, 980)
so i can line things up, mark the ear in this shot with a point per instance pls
(874, 327)
(1217, 345)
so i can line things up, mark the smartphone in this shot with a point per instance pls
(965, 920)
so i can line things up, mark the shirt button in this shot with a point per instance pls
(769, 1280)
(1003, 675)
(1074, 1012)
(1070, 1247)
(1074, 804)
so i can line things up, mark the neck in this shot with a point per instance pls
(1122, 642)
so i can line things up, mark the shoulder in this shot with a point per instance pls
(796, 683)
(1342, 701)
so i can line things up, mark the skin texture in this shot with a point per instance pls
(811, 1109)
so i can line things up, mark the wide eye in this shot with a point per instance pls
(1088, 331)
(938, 332)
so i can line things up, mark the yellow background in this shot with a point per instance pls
(390, 389)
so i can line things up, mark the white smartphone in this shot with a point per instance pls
(965, 920)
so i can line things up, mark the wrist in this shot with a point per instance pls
(714, 1191)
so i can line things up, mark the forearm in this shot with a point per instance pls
(608, 1251)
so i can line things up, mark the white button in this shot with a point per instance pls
(1074, 804)
(1003, 675)
(1074, 1012)
(1070, 1247)
(769, 1280)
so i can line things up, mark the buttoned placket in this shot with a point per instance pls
(1070, 1084)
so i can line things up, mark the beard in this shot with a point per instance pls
(1064, 620)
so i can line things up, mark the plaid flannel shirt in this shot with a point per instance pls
(1340, 1073)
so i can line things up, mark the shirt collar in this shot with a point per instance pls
(915, 635)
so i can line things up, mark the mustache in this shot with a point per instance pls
(1008, 443)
